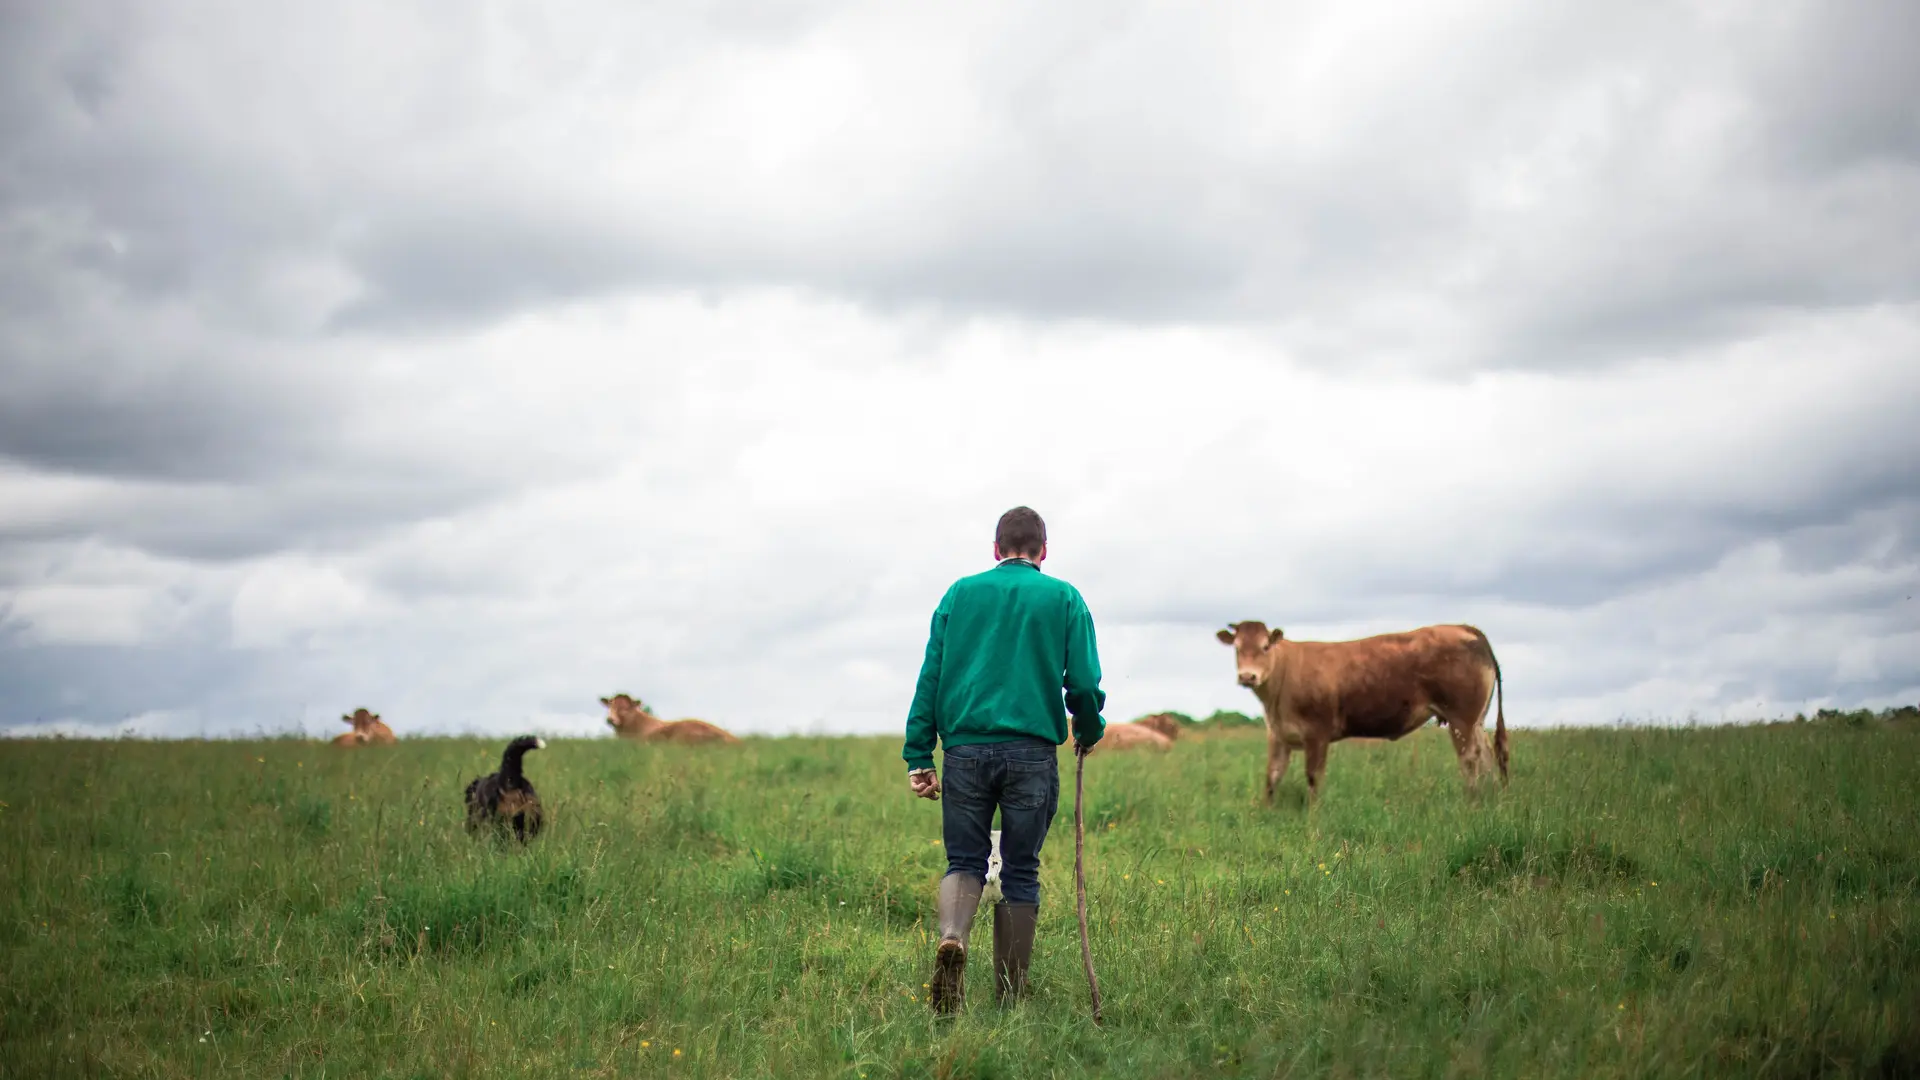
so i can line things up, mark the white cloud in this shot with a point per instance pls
(284, 601)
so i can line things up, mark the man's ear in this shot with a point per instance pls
(1273, 637)
(1226, 636)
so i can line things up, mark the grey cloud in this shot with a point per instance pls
(1070, 208)
(101, 383)
(451, 265)
(1571, 549)
(156, 425)
(1842, 89)
(108, 684)
(1571, 565)
(215, 460)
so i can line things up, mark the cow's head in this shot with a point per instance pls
(360, 718)
(1250, 641)
(622, 711)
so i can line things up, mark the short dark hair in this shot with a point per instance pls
(1020, 532)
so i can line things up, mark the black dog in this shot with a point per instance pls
(505, 798)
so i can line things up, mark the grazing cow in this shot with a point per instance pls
(368, 724)
(506, 799)
(1164, 723)
(630, 719)
(1131, 737)
(1319, 692)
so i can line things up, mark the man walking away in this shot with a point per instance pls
(1003, 646)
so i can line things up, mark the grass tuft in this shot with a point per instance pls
(1492, 855)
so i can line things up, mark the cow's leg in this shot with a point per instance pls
(1464, 711)
(1316, 766)
(1467, 747)
(1278, 754)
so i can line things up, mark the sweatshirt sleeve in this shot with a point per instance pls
(1085, 699)
(922, 728)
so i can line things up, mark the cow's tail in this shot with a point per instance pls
(1500, 708)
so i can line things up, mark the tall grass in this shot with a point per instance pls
(1730, 902)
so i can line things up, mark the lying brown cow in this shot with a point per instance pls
(1131, 737)
(630, 719)
(367, 730)
(1319, 692)
(1164, 723)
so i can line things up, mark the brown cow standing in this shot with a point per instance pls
(1319, 692)
(630, 719)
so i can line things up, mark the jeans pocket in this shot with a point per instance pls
(963, 779)
(1030, 784)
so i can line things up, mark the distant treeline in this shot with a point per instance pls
(1902, 714)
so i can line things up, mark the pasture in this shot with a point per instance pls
(1699, 902)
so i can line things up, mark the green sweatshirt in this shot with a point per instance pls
(1003, 646)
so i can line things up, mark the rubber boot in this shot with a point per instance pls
(1013, 927)
(959, 899)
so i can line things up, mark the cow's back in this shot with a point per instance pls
(692, 731)
(1130, 737)
(1383, 686)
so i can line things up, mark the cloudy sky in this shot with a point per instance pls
(472, 361)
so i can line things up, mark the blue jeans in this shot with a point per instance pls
(1022, 781)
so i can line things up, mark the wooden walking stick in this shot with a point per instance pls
(1080, 871)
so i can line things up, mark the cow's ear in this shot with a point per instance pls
(345, 719)
(606, 701)
(1225, 636)
(1273, 637)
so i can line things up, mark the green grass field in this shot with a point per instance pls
(1707, 902)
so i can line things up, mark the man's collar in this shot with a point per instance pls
(1018, 560)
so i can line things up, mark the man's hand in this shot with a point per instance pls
(1081, 749)
(925, 783)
